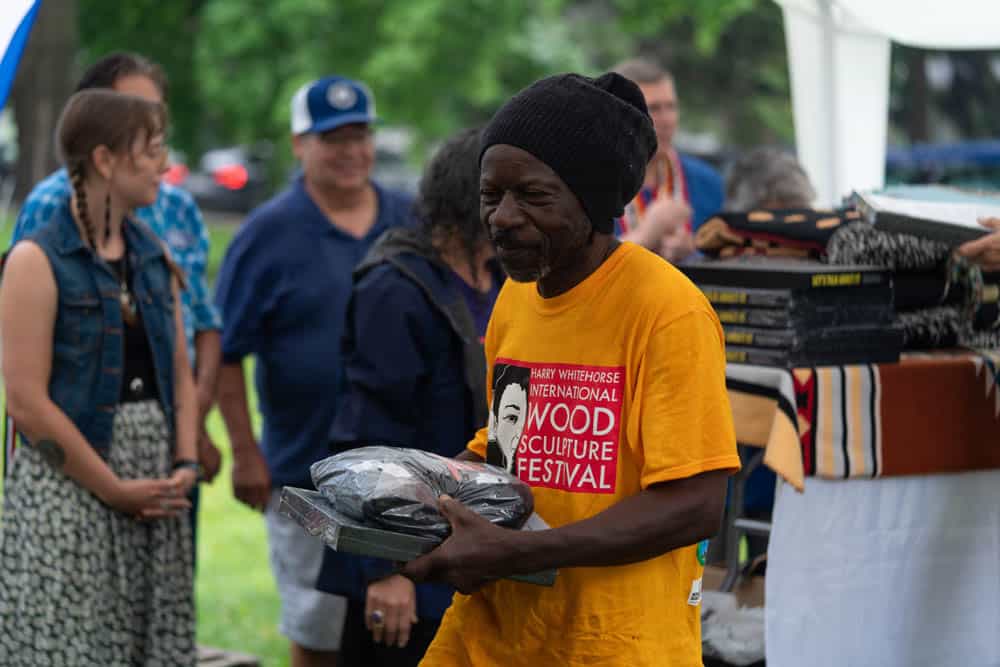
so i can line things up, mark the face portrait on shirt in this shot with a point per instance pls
(535, 221)
(509, 414)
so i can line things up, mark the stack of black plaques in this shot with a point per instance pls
(778, 312)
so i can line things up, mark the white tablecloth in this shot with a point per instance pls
(893, 572)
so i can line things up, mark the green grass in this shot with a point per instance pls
(237, 601)
(238, 604)
(219, 235)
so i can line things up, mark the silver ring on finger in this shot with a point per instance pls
(378, 619)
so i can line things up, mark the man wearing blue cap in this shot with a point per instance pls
(283, 290)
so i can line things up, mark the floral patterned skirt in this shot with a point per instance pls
(82, 584)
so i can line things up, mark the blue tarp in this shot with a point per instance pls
(977, 153)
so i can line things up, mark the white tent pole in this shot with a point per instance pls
(829, 86)
(840, 88)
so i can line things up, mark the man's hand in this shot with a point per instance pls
(663, 217)
(985, 251)
(476, 553)
(395, 600)
(669, 218)
(208, 456)
(205, 401)
(666, 214)
(677, 244)
(251, 479)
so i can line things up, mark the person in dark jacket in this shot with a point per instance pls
(415, 375)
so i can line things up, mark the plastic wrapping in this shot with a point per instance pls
(317, 515)
(398, 489)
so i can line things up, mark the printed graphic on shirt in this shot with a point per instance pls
(180, 239)
(702, 552)
(557, 425)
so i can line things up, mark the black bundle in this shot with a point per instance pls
(398, 489)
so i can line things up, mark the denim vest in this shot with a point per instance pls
(89, 348)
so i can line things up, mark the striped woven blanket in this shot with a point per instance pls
(927, 414)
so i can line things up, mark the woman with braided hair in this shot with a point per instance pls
(95, 563)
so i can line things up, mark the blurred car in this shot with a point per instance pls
(392, 169)
(232, 179)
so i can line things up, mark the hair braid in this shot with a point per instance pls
(176, 271)
(76, 175)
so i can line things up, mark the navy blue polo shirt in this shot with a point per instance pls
(283, 290)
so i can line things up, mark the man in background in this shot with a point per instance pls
(679, 192)
(283, 290)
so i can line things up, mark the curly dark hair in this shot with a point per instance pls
(448, 200)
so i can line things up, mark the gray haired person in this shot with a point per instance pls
(767, 177)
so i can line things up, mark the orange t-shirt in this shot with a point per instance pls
(594, 395)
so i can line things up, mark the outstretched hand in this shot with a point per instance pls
(475, 553)
(985, 251)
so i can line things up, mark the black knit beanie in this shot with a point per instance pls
(595, 134)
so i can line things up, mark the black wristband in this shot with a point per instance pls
(187, 463)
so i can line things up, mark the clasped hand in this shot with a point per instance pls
(154, 498)
(669, 218)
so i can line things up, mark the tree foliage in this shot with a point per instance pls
(739, 90)
(44, 81)
(963, 104)
(435, 65)
(162, 31)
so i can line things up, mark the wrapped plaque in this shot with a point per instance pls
(317, 515)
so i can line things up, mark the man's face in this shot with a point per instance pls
(340, 159)
(138, 85)
(661, 100)
(534, 220)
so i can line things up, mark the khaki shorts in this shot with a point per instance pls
(310, 618)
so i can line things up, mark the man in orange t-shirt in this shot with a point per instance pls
(607, 395)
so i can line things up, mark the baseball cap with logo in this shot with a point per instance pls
(329, 103)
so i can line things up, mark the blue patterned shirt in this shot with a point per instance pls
(174, 217)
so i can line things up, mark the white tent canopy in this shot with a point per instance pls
(838, 55)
